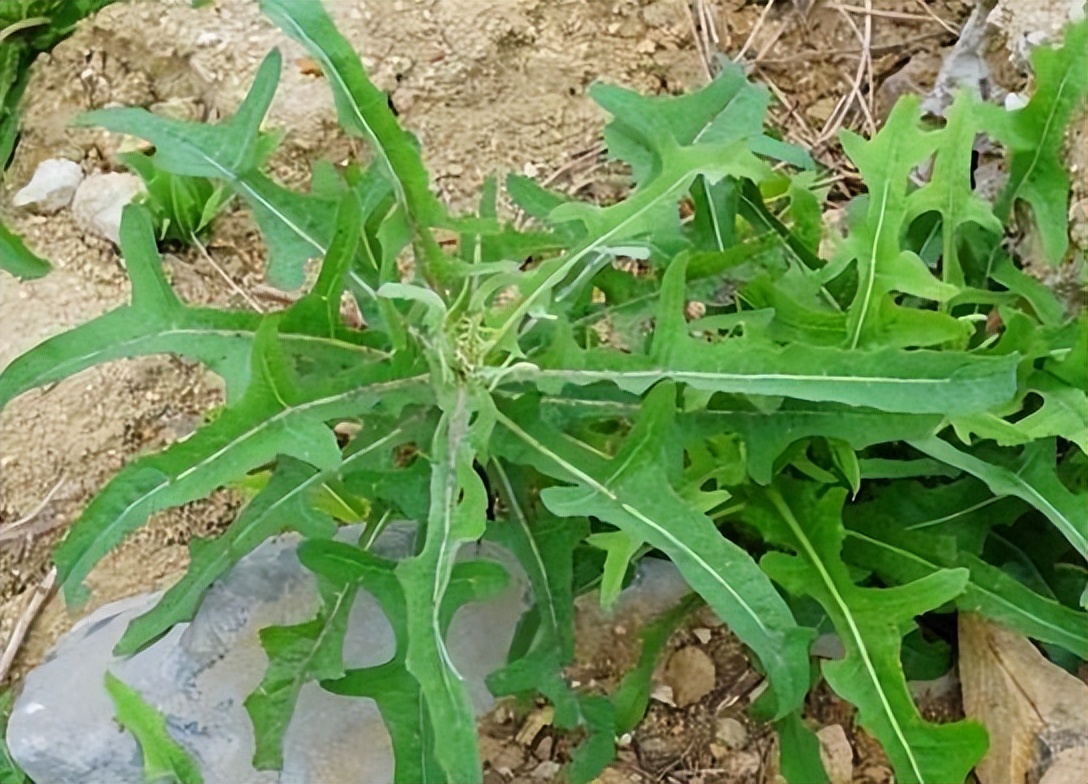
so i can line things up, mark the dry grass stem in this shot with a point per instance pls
(26, 620)
(11, 530)
(755, 31)
(227, 278)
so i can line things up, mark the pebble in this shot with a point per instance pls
(100, 200)
(690, 674)
(731, 733)
(52, 187)
(546, 771)
(836, 753)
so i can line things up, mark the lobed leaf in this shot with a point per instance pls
(398, 694)
(631, 491)
(886, 162)
(870, 622)
(287, 502)
(296, 655)
(1034, 137)
(1034, 481)
(458, 513)
(275, 417)
(949, 192)
(903, 556)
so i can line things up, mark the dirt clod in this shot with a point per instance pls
(690, 674)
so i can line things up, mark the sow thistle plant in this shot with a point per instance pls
(856, 440)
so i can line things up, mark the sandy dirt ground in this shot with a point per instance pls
(489, 86)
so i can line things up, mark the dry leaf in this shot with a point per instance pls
(1036, 712)
(308, 66)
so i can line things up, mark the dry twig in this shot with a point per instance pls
(11, 530)
(26, 619)
(930, 13)
(223, 274)
(699, 39)
(900, 15)
(755, 31)
(865, 64)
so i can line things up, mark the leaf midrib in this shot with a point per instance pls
(211, 567)
(265, 423)
(829, 583)
(287, 337)
(597, 487)
(909, 555)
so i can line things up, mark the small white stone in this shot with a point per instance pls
(52, 187)
(702, 634)
(100, 200)
(209, 38)
(546, 771)
(663, 694)
(731, 732)
(1015, 101)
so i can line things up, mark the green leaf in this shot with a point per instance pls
(1064, 412)
(296, 227)
(1047, 307)
(183, 207)
(767, 433)
(949, 192)
(286, 503)
(275, 417)
(620, 548)
(17, 259)
(870, 623)
(594, 754)
(903, 556)
(362, 108)
(296, 655)
(917, 382)
(886, 162)
(1035, 138)
(632, 696)
(458, 514)
(10, 772)
(164, 758)
(799, 749)
(727, 110)
(652, 203)
(397, 693)
(363, 111)
(632, 492)
(157, 323)
(390, 685)
(1034, 481)
(544, 546)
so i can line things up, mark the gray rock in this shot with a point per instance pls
(52, 187)
(101, 198)
(199, 675)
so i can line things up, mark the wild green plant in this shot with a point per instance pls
(9, 769)
(854, 442)
(27, 28)
(182, 208)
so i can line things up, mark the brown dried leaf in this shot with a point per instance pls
(1036, 712)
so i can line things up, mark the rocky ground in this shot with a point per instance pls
(489, 86)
